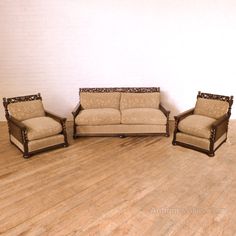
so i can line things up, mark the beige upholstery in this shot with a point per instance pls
(193, 140)
(41, 127)
(199, 142)
(100, 100)
(211, 108)
(40, 143)
(108, 113)
(139, 100)
(140, 116)
(26, 110)
(103, 116)
(196, 125)
(46, 142)
(120, 129)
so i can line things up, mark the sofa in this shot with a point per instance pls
(120, 112)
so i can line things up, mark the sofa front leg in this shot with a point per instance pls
(26, 155)
(211, 154)
(168, 124)
(63, 124)
(175, 131)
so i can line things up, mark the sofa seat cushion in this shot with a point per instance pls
(41, 127)
(143, 116)
(103, 116)
(197, 125)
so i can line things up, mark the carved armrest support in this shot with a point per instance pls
(163, 109)
(76, 110)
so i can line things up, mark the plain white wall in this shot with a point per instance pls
(55, 47)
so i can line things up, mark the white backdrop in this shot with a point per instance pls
(56, 46)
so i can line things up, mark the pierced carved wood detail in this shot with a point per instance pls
(215, 96)
(121, 89)
(22, 98)
(7, 101)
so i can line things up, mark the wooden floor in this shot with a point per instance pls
(113, 186)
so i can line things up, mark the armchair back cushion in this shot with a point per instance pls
(211, 107)
(26, 110)
(100, 100)
(139, 100)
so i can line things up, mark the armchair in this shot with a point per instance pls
(32, 129)
(204, 128)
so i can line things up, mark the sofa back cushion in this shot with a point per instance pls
(26, 110)
(140, 100)
(211, 107)
(95, 100)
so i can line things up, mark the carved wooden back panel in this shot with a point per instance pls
(121, 89)
(224, 98)
(7, 101)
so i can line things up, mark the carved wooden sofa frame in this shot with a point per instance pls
(218, 128)
(78, 108)
(19, 131)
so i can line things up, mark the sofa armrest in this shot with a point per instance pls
(76, 110)
(184, 114)
(163, 109)
(55, 117)
(220, 126)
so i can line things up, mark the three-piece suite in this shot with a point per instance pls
(118, 112)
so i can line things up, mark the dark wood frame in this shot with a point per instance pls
(19, 131)
(78, 108)
(218, 128)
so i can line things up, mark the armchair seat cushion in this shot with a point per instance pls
(143, 116)
(102, 116)
(41, 127)
(197, 125)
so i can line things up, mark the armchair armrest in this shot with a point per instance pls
(17, 129)
(220, 126)
(166, 112)
(220, 121)
(76, 110)
(55, 117)
(17, 123)
(184, 114)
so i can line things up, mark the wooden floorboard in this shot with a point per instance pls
(113, 186)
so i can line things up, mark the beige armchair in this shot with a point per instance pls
(204, 127)
(31, 128)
